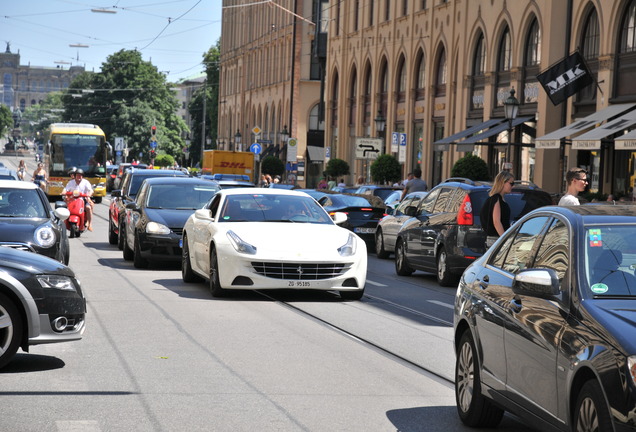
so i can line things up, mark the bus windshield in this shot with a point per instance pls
(75, 150)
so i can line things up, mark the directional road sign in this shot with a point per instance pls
(368, 148)
(256, 148)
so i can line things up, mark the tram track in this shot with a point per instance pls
(413, 365)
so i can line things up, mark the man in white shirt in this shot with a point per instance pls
(576, 179)
(83, 186)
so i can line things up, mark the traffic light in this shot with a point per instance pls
(153, 154)
(153, 131)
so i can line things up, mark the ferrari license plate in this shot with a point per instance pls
(181, 243)
(299, 284)
(364, 230)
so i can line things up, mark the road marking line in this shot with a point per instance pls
(375, 283)
(77, 426)
(437, 302)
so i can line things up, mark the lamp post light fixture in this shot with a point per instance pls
(511, 109)
(380, 124)
(284, 135)
(104, 10)
(237, 140)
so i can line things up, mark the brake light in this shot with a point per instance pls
(465, 213)
(366, 209)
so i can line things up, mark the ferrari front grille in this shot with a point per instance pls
(299, 271)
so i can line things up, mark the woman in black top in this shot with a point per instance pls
(497, 218)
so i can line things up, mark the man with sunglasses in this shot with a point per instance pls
(576, 179)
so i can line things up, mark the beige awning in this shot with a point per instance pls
(553, 139)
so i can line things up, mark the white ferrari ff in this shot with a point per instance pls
(260, 238)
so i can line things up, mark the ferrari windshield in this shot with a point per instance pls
(272, 208)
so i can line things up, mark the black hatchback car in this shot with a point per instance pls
(28, 223)
(444, 235)
(154, 221)
(130, 184)
(544, 323)
(41, 302)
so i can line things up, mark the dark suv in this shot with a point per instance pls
(444, 235)
(130, 183)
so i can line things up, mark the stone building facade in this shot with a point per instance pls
(270, 83)
(438, 72)
(25, 85)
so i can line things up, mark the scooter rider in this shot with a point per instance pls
(83, 186)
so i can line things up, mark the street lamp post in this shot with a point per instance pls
(237, 141)
(511, 109)
(380, 124)
(284, 135)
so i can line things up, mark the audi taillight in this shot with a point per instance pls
(465, 213)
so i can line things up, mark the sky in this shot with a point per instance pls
(172, 34)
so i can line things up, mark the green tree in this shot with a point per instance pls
(386, 169)
(336, 168)
(37, 118)
(125, 99)
(211, 93)
(273, 166)
(164, 160)
(471, 167)
(6, 120)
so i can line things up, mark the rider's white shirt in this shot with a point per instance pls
(82, 187)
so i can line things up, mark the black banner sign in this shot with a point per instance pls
(566, 78)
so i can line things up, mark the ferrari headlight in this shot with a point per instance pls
(63, 283)
(631, 366)
(349, 248)
(240, 245)
(44, 236)
(157, 228)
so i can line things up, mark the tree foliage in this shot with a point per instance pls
(471, 167)
(37, 118)
(211, 92)
(386, 169)
(164, 160)
(336, 168)
(125, 99)
(6, 120)
(273, 166)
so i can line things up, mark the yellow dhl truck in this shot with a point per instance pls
(228, 162)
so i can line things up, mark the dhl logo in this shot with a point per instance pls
(232, 165)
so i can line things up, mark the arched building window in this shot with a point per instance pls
(334, 100)
(478, 80)
(353, 84)
(504, 64)
(420, 76)
(532, 60)
(383, 86)
(366, 98)
(625, 86)
(585, 101)
(440, 75)
(400, 84)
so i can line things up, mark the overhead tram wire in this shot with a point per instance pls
(170, 21)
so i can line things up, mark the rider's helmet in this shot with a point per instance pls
(72, 171)
(79, 171)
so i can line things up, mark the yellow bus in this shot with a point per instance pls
(76, 145)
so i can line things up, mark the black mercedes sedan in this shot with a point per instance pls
(154, 222)
(28, 223)
(41, 302)
(545, 323)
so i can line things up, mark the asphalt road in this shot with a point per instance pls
(161, 355)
